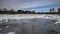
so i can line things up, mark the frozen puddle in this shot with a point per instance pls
(10, 33)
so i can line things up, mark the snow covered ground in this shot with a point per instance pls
(29, 16)
(33, 23)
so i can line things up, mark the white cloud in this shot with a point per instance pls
(34, 4)
(14, 5)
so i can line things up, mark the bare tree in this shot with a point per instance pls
(59, 10)
(4, 9)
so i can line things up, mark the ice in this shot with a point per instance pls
(28, 16)
(33, 23)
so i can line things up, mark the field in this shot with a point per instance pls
(30, 23)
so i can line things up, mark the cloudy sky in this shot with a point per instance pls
(31, 5)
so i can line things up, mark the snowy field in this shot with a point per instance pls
(31, 23)
(29, 16)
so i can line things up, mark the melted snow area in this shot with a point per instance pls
(30, 24)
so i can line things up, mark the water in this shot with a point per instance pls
(30, 24)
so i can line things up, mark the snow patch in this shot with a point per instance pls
(10, 33)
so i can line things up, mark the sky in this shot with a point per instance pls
(31, 5)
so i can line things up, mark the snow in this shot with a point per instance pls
(10, 33)
(29, 16)
(39, 23)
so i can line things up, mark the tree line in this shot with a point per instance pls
(5, 11)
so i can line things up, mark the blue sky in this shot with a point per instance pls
(31, 5)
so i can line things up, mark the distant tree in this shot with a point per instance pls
(0, 9)
(26, 11)
(52, 10)
(58, 10)
(33, 12)
(20, 11)
(4, 9)
(29, 11)
(11, 11)
(38, 12)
